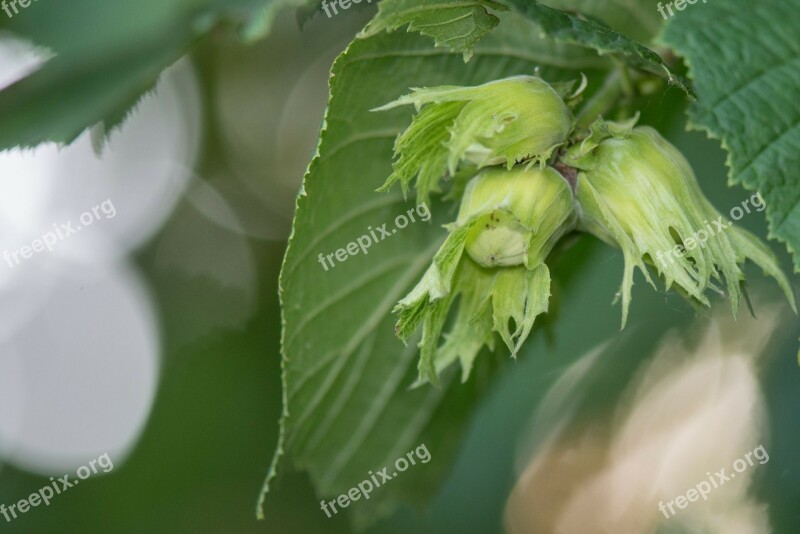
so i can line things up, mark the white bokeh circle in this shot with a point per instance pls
(79, 378)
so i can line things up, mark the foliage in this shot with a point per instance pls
(747, 74)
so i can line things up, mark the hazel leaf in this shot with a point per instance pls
(348, 408)
(583, 30)
(748, 79)
(455, 24)
(104, 57)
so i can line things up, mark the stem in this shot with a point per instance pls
(602, 101)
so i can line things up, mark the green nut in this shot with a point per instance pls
(504, 122)
(515, 216)
(498, 239)
(510, 121)
(637, 191)
(493, 258)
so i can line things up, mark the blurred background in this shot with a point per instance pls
(152, 334)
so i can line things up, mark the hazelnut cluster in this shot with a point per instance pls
(624, 184)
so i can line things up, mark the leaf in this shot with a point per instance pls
(456, 24)
(589, 32)
(106, 56)
(348, 406)
(460, 24)
(637, 19)
(744, 60)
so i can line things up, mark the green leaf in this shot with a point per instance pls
(744, 60)
(348, 406)
(637, 19)
(583, 30)
(456, 24)
(106, 56)
(460, 24)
